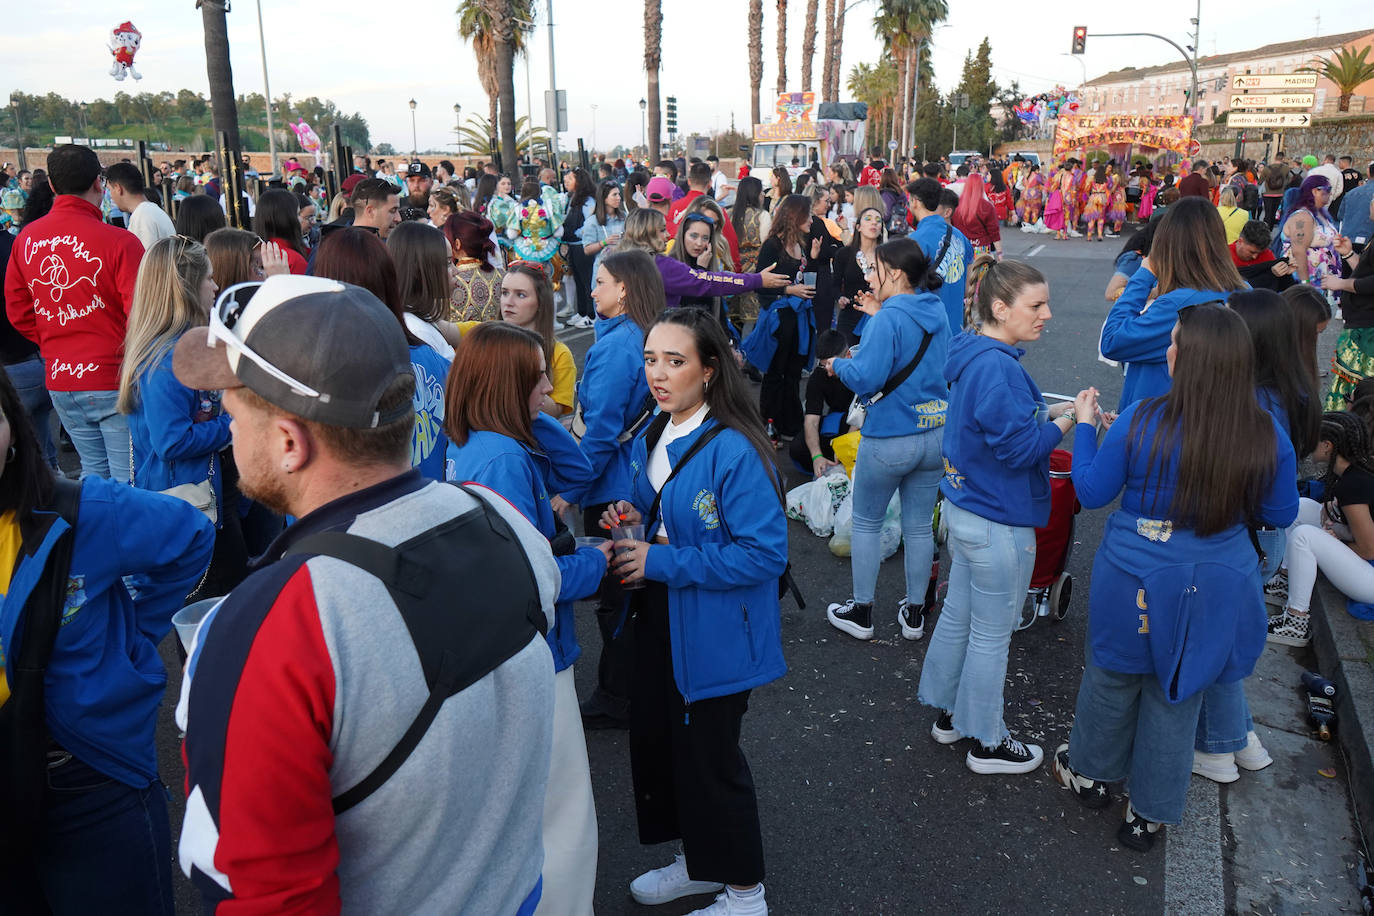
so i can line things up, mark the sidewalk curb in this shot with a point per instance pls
(1345, 655)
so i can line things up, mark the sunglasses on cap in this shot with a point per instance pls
(229, 308)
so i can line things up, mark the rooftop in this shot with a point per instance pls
(1320, 43)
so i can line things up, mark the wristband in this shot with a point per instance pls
(815, 458)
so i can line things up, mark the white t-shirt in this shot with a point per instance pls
(659, 466)
(718, 183)
(150, 222)
(429, 334)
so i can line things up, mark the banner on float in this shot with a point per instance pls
(1081, 131)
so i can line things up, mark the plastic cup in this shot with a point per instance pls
(628, 533)
(188, 620)
(809, 278)
(590, 542)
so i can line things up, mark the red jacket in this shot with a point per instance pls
(680, 206)
(69, 288)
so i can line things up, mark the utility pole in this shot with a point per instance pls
(267, 88)
(553, 91)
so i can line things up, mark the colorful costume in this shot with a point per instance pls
(1148, 190)
(1116, 200)
(1322, 259)
(1073, 199)
(1096, 207)
(534, 228)
(1032, 199)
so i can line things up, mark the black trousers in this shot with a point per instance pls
(580, 266)
(691, 780)
(780, 393)
(801, 455)
(612, 694)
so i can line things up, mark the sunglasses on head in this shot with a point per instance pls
(699, 218)
(229, 308)
(532, 265)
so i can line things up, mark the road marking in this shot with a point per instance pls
(1192, 855)
(1032, 253)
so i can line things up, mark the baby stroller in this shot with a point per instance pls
(1051, 588)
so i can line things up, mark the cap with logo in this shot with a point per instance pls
(659, 188)
(418, 168)
(11, 199)
(319, 349)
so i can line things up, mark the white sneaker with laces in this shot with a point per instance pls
(1216, 767)
(736, 903)
(1253, 756)
(663, 885)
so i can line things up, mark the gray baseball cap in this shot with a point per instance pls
(319, 349)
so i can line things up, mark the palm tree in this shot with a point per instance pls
(1347, 70)
(782, 46)
(828, 44)
(474, 136)
(755, 58)
(904, 25)
(224, 109)
(876, 85)
(496, 29)
(836, 49)
(653, 59)
(808, 43)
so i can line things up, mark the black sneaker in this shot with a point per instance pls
(911, 619)
(1011, 756)
(597, 718)
(943, 730)
(1135, 832)
(852, 618)
(1089, 792)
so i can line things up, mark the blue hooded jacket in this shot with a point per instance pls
(1138, 334)
(953, 267)
(890, 341)
(611, 392)
(998, 436)
(1165, 600)
(521, 475)
(428, 441)
(728, 546)
(106, 680)
(170, 448)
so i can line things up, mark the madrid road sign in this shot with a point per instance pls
(1253, 82)
(1269, 120)
(1275, 100)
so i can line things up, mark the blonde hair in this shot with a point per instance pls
(1228, 197)
(166, 305)
(642, 229)
(720, 245)
(866, 197)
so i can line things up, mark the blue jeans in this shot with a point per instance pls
(106, 847)
(966, 665)
(909, 465)
(1224, 723)
(1125, 729)
(30, 381)
(99, 431)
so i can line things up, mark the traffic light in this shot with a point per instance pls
(1080, 38)
(672, 115)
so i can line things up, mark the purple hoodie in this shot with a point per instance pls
(681, 279)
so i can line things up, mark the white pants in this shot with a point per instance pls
(569, 811)
(1310, 548)
(565, 300)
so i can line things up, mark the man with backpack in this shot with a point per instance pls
(369, 715)
(946, 247)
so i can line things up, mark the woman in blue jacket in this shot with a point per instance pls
(615, 405)
(1190, 265)
(178, 433)
(1176, 604)
(104, 843)
(500, 437)
(900, 448)
(707, 627)
(998, 439)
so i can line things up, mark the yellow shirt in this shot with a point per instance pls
(1234, 219)
(10, 541)
(564, 377)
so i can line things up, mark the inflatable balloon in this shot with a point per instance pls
(306, 136)
(124, 42)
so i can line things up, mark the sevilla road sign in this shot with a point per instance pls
(1237, 119)
(1275, 100)
(1274, 81)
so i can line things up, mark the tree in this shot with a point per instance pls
(225, 113)
(190, 106)
(384, 149)
(782, 46)
(653, 59)
(1347, 70)
(877, 86)
(755, 58)
(490, 27)
(905, 25)
(828, 50)
(473, 136)
(837, 49)
(975, 122)
(808, 43)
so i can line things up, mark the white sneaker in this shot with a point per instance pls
(1253, 756)
(1216, 767)
(670, 882)
(736, 903)
(580, 322)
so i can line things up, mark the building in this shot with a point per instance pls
(1163, 89)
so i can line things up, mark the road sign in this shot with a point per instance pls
(892, 145)
(1269, 120)
(1275, 81)
(1275, 100)
(1195, 148)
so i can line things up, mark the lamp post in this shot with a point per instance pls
(414, 144)
(18, 133)
(594, 127)
(458, 125)
(644, 126)
(266, 87)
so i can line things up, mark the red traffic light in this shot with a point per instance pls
(1080, 38)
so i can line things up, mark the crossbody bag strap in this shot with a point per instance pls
(944, 247)
(896, 381)
(651, 520)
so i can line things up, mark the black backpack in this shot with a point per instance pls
(896, 220)
(24, 738)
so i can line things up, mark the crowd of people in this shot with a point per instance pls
(356, 428)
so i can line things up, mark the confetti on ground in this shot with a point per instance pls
(1328, 772)
(1139, 880)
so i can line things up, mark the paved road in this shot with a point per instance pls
(864, 813)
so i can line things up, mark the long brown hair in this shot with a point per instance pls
(1210, 408)
(421, 256)
(1189, 249)
(489, 386)
(359, 257)
(543, 295)
(645, 299)
(788, 218)
(231, 256)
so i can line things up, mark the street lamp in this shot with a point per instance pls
(644, 127)
(458, 125)
(414, 145)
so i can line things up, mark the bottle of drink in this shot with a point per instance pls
(772, 432)
(1317, 685)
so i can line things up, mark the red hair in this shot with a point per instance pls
(970, 199)
(471, 232)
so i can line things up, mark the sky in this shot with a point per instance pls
(339, 50)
